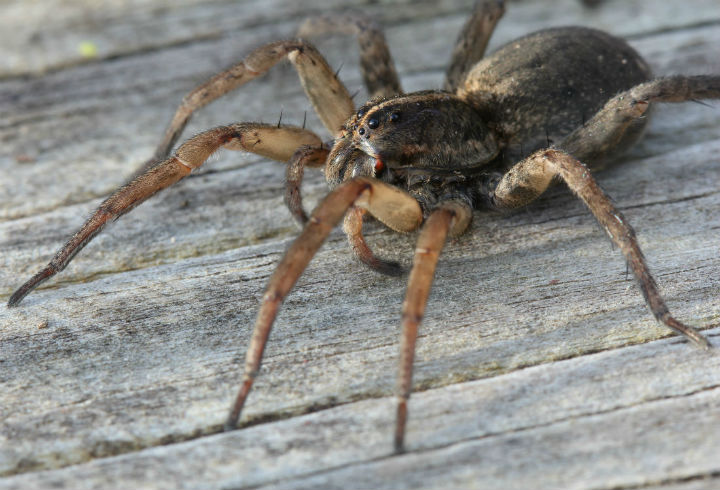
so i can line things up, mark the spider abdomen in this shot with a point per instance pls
(536, 89)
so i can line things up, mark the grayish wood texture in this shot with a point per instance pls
(538, 364)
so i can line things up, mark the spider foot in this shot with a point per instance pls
(688, 332)
(401, 420)
(387, 267)
(31, 284)
(232, 420)
(353, 228)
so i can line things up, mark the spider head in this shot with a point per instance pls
(430, 130)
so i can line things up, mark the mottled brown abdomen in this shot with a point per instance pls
(544, 85)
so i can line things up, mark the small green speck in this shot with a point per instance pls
(88, 49)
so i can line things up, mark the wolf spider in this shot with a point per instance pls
(426, 159)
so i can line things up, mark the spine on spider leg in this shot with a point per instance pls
(122, 201)
(377, 67)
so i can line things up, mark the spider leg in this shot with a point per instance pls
(449, 217)
(394, 207)
(376, 64)
(472, 40)
(327, 94)
(305, 156)
(262, 139)
(352, 226)
(608, 129)
(529, 178)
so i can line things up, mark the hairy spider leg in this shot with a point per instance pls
(530, 177)
(305, 156)
(602, 132)
(392, 206)
(352, 226)
(449, 217)
(327, 94)
(472, 41)
(376, 64)
(262, 139)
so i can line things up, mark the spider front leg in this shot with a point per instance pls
(529, 178)
(390, 205)
(449, 217)
(376, 64)
(472, 40)
(327, 94)
(277, 143)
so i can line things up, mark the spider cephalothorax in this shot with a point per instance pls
(553, 105)
(434, 130)
(415, 142)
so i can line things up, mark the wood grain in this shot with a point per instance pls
(538, 364)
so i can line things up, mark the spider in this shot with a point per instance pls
(425, 160)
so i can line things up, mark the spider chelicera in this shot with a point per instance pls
(425, 160)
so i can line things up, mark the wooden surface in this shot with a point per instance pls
(538, 364)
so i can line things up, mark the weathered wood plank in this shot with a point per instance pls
(146, 329)
(51, 35)
(626, 418)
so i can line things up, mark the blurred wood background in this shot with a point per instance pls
(538, 364)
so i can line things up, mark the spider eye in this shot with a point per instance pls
(361, 131)
(373, 123)
(394, 117)
(360, 113)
